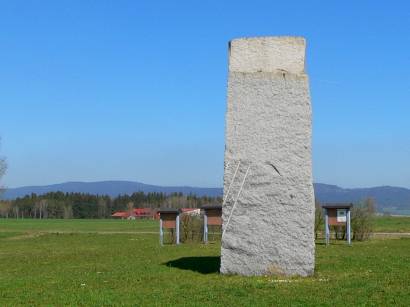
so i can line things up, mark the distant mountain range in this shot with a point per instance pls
(391, 199)
(111, 188)
(394, 200)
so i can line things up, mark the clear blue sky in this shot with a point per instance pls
(135, 90)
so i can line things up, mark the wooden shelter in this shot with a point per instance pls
(168, 219)
(337, 214)
(212, 216)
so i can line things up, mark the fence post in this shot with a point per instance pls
(205, 228)
(327, 232)
(161, 232)
(349, 241)
(177, 229)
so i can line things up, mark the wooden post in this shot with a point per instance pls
(161, 232)
(327, 233)
(177, 229)
(348, 227)
(205, 228)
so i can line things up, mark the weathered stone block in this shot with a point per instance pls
(269, 228)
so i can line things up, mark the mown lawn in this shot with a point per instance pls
(78, 225)
(96, 269)
(392, 224)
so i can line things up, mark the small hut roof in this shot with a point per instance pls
(209, 207)
(169, 210)
(337, 205)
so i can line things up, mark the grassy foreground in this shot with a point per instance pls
(40, 266)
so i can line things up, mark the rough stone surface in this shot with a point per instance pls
(268, 130)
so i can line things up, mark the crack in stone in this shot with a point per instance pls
(274, 167)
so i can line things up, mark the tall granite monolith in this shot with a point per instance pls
(268, 213)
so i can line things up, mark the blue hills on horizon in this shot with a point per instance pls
(110, 188)
(391, 199)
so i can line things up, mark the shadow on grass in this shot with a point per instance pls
(203, 265)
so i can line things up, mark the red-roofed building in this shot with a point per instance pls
(121, 214)
(148, 213)
(135, 213)
(144, 213)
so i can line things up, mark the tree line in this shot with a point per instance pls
(80, 205)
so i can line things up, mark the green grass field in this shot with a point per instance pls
(80, 226)
(392, 224)
(101, 263)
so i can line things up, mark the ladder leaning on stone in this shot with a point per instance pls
(233, 179)
(237, 196)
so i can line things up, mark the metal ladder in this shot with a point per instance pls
(237, 196)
